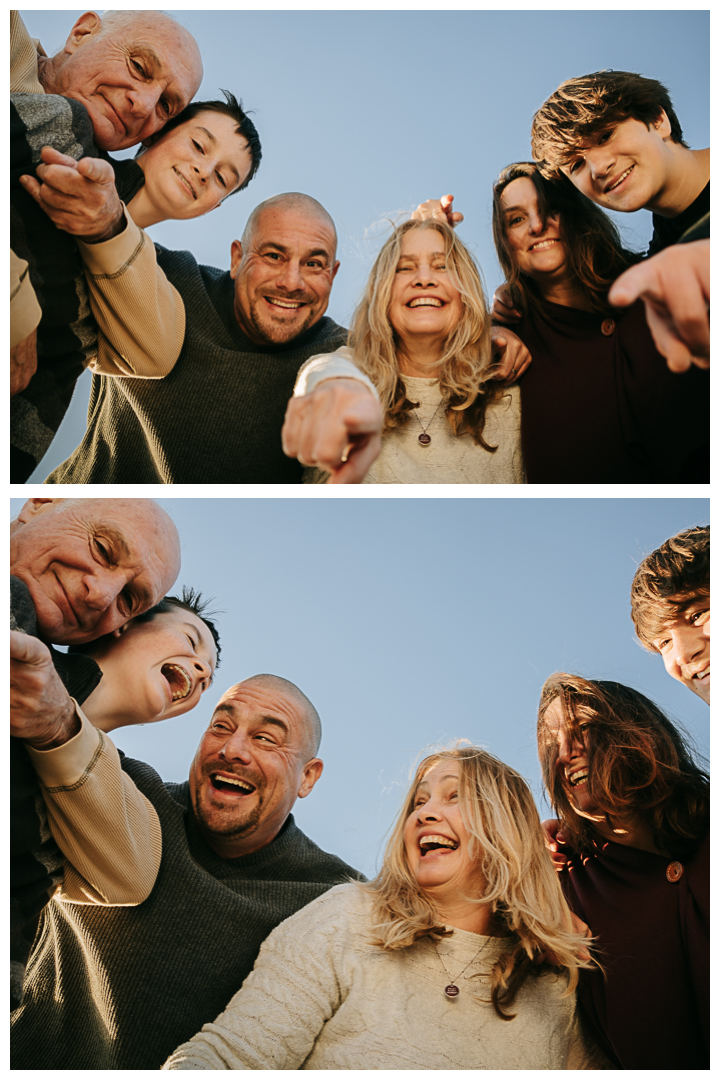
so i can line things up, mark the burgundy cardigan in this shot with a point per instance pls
(651, 1009)
(600, 406)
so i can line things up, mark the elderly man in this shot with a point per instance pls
(80, 568)
(670, 597)
(116, 82)
(120, 988)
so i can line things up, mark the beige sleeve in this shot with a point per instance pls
(140, 315)
(107, 830)
(25, 313)
(23, 58)
(335, 365)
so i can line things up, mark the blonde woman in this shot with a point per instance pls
(441, 962)
(422, 335)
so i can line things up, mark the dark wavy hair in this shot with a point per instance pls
(592, 241)
(669, 580)
(584, 107)
(639, 763)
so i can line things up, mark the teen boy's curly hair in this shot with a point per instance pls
(584, 107)
(668, 580)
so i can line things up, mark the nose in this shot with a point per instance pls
(202, 171)
(424, 276)
(686, 644)
(598, 162)
(237, 748)
(536, 225)
(101, 590)
(143, 99)
(569, 747)
(429, 811)
(290, 276)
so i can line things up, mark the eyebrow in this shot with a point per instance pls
(433, 255)
(228, 708)
(149, 54)
(118, 541)
(513, 209)
(285, 250)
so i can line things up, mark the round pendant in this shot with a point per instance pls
(451, 991)
(424, 439)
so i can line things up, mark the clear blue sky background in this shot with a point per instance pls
(372, 112)
(408, 621)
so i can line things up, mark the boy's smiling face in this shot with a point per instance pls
(626, 168)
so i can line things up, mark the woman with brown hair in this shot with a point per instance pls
(599, 404)
(422, 335)
(634, 827)
(441, 962)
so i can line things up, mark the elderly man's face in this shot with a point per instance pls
(131, 79)
(91, 564)
(283, 282)
(252, 764)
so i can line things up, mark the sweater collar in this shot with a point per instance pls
(279, 848)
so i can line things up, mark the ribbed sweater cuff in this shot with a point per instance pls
(113, 256)
(65, 765)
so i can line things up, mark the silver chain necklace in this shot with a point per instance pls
(451, 990)
(424, 439)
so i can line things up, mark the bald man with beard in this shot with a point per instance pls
(234, 865)
(80, 569)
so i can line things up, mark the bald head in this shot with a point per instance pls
(307, 709)
(295, 202)
(132, 70)
(92, 564)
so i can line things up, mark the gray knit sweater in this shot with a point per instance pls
(120, 988)
(216, 418)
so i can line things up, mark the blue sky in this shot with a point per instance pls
(372, 112)
(412, 621)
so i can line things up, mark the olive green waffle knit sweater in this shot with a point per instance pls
(121, 988)
(216, 418)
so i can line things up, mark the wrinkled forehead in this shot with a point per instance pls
(259, 700)
(295, 229)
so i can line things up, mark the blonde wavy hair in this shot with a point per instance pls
(467, 360)
(521, 885)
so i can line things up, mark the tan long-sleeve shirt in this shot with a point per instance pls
(107, 830)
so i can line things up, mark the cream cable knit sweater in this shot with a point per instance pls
(321, 996)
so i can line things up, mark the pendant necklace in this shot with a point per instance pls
(424, 439)
(451, 990)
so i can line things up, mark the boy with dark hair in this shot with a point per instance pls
(670, 598)
(616, 137)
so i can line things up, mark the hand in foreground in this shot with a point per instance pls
(675, 286)
(502, 309)
(80, 197)
(438, 208)
(511, 358)
(337, 427)
(553, 838)
(41, 711)
(23, 363)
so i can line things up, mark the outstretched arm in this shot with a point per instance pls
(675, 287)
(107, 830)
(140, 315)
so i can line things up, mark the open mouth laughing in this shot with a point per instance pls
(542, 245)
(435, 842)
(234, 784)
(178, 680)
(578, 776)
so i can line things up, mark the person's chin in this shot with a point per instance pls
(702, 690)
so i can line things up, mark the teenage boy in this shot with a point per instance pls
(615, 136)
(670, 598)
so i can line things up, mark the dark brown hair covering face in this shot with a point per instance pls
(639, 764)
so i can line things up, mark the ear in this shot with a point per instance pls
(87, 25)
(119, 630)
(312, 771)
(662, 125)
(336, 267)
(33, 507)
(236, 254)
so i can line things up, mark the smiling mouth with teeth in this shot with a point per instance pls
(619, 181)
(425, 301)
(231, 783)
(434, 843)
(179, 680)
(579, 777)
